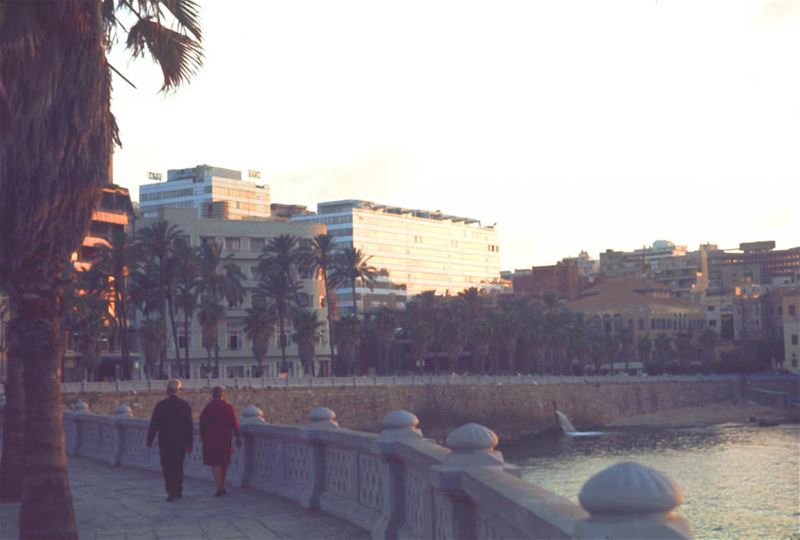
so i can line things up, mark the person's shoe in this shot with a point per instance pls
(218, 493)
(170, 498)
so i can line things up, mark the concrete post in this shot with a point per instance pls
(81, 407)
(628, 500)
(122, 411)
(250, 416)
(472, 446)
(319, 419)
(396, 426)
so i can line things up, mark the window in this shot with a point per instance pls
(794, 339)
(207, 240)
(712, 324)
(792, 310)
(182, 340)
(641, 325)
(234, 336)
(233, 244)
(256, 244)
(234, 371)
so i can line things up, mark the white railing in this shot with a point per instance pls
(397, 484)
(147, 385)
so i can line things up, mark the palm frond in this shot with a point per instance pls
(179, 56)
(186, 12)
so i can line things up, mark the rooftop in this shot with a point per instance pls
(332, 207)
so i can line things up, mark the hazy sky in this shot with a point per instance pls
(572, 125)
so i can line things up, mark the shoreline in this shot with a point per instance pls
(711, 414)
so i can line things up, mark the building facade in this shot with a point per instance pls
(214, 192)
(758, 263)
(790, 308)
(415, 250)
(245, 241)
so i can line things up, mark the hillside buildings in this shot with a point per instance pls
(415, 250)
(790, 306)
(214, 192)
(244, 240)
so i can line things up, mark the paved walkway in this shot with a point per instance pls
(121, 503)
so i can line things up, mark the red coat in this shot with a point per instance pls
(217, 424)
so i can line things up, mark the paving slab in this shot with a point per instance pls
(129, 504)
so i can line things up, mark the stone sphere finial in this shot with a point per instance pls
(473, 446)
(252, 415)
(471, 437)
(81, 407)
(400, 424)
(123, 410)
(322, 417)
(629, 488)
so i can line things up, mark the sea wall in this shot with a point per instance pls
(512, 410)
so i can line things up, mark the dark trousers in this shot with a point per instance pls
(172, 466)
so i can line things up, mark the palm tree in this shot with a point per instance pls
(663, 346)
(351, 265)
(645, 348)
(419, 321)
(58, 133)
(153, 335)
(708, 342)
(209, 315)
(259, 326)
(155, 244)
(684, 349)
(626, 342)
(453, 333)
(185, 274)
(306, 335)
(348, 336)
(220, 280)
(278, 293)
(475, 306)
(385, 321)
(323, 247)
(115, 261)
(284, 255)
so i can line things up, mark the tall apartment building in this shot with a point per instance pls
(114, 212)
(757, 262)
(416, 250)
(214, 192)
(245, 240)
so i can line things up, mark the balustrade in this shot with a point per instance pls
(398, 484)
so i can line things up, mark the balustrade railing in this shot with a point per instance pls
(146, 385)
(397, 484)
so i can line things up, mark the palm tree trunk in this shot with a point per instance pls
(187, 370)
(122, 326)
(12, 462)
(37, 341)
(329, 305)
(355, 303)
(216, 359)
(174, 327)
(282, 338)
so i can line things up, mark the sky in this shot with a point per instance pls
(571, 125)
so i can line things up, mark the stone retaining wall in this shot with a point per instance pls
(511, 409)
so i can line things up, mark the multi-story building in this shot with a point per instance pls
(562, 280)
(245, 241)
(4, 316)
(790, 307)
(112, 215)
(641, 306)
(758, 262)
(415, 250)
(214, 192)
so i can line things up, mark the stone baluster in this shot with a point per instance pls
(122, 411)
(74, 444)
(250, 417)
(472, 446)
(628, 500)
(319, 419)
(396, 426)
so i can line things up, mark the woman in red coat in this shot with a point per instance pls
(218, 424)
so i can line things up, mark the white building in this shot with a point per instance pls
(215, 193)
(417, 250)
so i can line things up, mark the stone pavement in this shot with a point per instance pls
(122, 503)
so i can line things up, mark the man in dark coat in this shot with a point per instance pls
(172, 420)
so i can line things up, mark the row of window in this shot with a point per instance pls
(170, 194)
